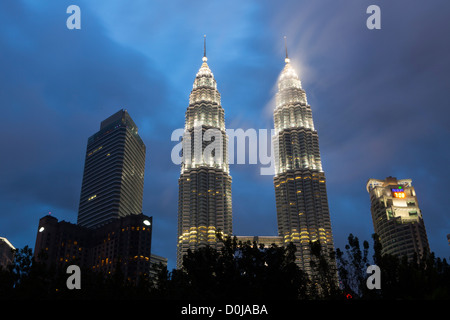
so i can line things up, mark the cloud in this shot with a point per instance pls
(56, 86)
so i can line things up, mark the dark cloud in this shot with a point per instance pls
(56, 86)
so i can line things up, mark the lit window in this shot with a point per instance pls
(91, 153)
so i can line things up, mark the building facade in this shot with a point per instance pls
(113, 178)
(204, 203)
(397, 218)
(157, 263)
(300, 186)
(6, 253)
(124, 243)
(266, 241)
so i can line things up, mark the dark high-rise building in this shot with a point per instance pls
(6, 253)
(113, 179)
(397, 218)
(300, 188)
(204, 205)
(123, 242)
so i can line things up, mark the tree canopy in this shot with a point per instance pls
(243, 270)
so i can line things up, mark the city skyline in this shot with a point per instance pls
(373, 93)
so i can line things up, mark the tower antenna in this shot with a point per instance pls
(285, 48)
(204, 48)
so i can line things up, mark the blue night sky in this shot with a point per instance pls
(379, 99)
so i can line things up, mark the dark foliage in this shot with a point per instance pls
(423, 278)
(241, 271)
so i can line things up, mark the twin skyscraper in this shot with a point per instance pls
(205, 205)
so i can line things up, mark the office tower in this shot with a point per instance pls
(123, 242)
(396, 216)
(6, 253)
(157, 264)
(204, 205)
(113, 179)
(300, 189)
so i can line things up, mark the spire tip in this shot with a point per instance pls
(204, 48)
(287, 60)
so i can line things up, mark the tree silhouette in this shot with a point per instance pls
(352, 266)
(324, 273)
(423, 277)
(242, 270)
(239, 270)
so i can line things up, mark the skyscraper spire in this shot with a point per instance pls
(285, 47)
(204, 49)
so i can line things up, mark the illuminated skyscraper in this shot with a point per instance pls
(113, 179)
(397, 219)
(300, 190)
(204, 205)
